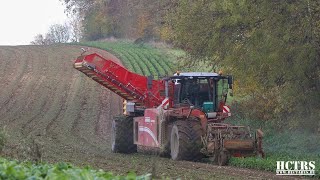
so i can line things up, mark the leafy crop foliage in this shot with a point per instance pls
(283, 145)
(140, 58)
(26, 170)
(270, 162)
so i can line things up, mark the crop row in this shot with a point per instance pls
(27, 170)
(142, 59)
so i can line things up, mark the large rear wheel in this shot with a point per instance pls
(122, 135)
(185, 142)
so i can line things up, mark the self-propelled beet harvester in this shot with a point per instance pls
(179, 116)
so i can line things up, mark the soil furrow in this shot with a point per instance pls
(43, 98)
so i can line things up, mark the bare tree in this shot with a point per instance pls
(75, 28)
(38, 40)
(58, 33)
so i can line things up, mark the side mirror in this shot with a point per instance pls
(230, 81)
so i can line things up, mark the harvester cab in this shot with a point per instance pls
(206, 91)
(179, 116)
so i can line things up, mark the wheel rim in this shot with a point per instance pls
(174, 143)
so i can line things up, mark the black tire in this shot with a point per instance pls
(185, 142)
(122, 135)
(223, 158)
(165, 151)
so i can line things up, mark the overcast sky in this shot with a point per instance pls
(21, 20)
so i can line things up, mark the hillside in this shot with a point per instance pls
(45, 99)
(50, 111)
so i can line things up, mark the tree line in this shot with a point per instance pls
(131, 19)
(70, 31)
(271, 47)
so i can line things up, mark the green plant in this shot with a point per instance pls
(270, 162)
(25, 170)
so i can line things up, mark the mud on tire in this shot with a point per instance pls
(165, 150)
(185, 142)
(122, 135)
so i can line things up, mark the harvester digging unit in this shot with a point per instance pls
(179, 116)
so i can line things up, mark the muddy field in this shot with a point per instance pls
(52, 112)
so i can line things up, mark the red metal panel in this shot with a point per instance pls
(128, 85)
(148, 129)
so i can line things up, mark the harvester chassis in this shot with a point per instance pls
(180, 116)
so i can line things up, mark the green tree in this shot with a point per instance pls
(272, 48)
(96, 25)
(119, 18)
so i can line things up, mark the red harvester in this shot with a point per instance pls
(179, 116)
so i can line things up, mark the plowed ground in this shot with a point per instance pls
(52, 112)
